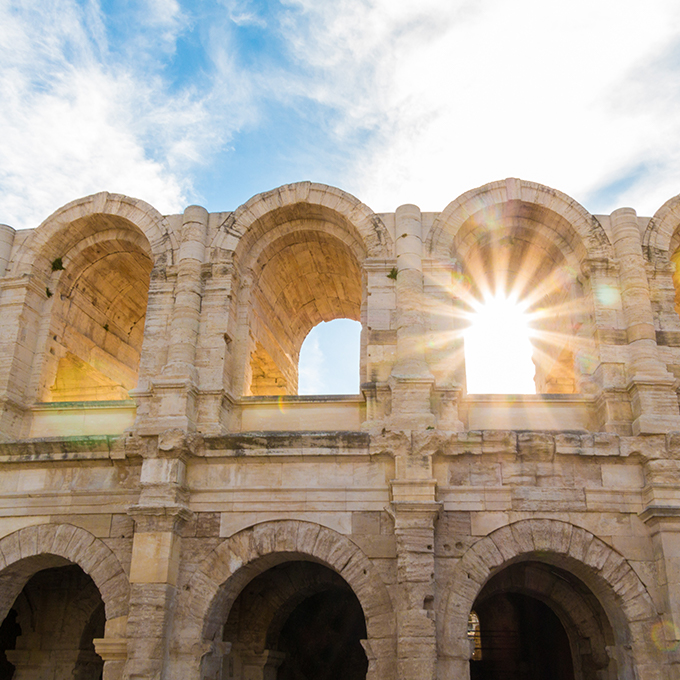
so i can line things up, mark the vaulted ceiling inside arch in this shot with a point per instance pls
(305, 277)
(98, 325)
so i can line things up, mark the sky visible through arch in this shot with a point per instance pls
(394, 101)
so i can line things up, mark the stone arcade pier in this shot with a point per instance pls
(171, 509)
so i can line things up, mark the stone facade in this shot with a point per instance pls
(170, 508)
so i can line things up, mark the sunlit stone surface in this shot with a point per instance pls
(170, 507)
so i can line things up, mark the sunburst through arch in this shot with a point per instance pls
(515, 281)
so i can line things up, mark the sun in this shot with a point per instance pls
(498, 350)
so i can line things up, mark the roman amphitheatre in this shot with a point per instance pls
(171, 507)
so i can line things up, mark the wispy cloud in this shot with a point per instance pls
(80, 117)
(460, 93)
(402, 101)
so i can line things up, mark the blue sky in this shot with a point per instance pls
(395, 101)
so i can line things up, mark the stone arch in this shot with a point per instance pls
(586, 237)
(52, 238)
(661, 247)
(298, 253)
(265, 623)
(579, 613)
(606, 573)
(28, 550)
(662, 235)
(95, 302)
(332, 204)
(224, 573)
(525, 239)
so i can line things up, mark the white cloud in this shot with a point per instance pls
(448, 95)
(77, 119)
(567, 94)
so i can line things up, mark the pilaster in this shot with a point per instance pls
(411, 381)
(215, 349)
(415, 510)
(156, 547)
(24, 304)
(175, 391)
(651, 387)
(414, 522)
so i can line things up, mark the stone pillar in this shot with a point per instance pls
(380, 336)
(159, 516)
(601, 367)
(416, 642)
(188, 292)
(214, 351)
(661, 496)
(445, 354)
(213, 661)
(177, 388)
(411, 380)
(651, 387)
(240, 378)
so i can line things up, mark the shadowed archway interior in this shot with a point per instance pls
(49, 630)
(296, 621)
(539, 621)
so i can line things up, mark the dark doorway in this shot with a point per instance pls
(321, 639)
(521, 639)
(297, 620)
(51, 626)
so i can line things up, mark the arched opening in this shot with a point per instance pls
(302, 278)
(537, 620)
(329, 358)
(50, 628)
(520, 637)
(101, 285)
(523, 252)
(298, 620)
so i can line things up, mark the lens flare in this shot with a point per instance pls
(607, 295)
(665, 636)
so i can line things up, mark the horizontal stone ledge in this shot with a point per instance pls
(86, 447)
(656, 512)
(287, 443)
(301, 399)
(540, 445)
(83, 405)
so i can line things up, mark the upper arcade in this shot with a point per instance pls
(114, 316)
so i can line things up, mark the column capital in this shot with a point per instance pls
(111, 649)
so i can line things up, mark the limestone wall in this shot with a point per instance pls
(158, 466)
